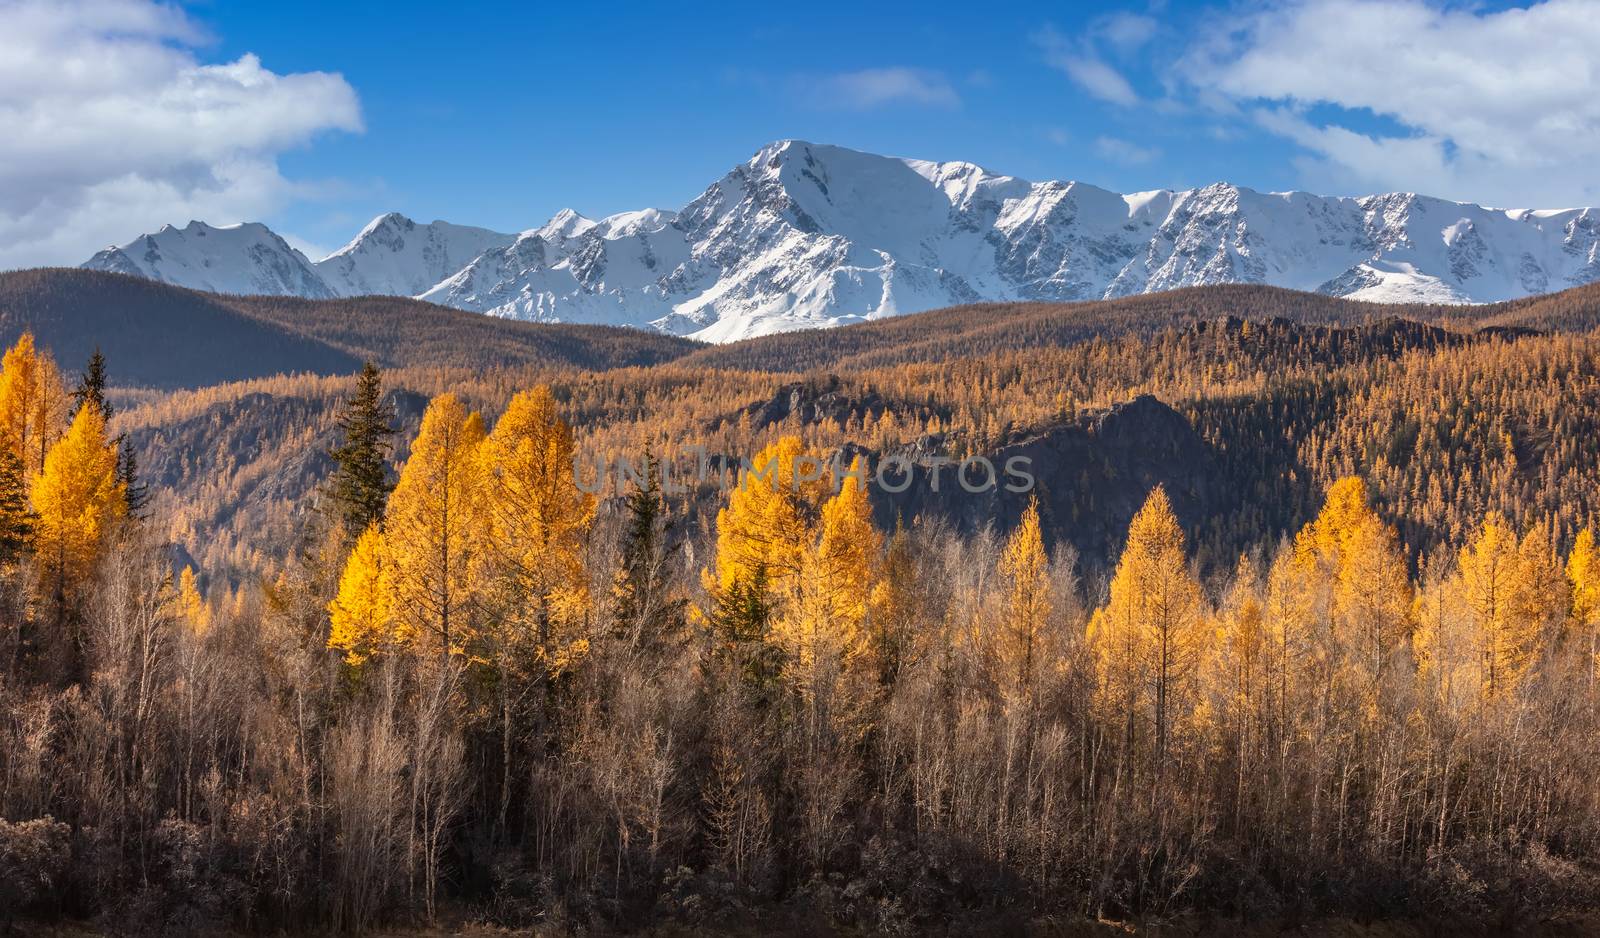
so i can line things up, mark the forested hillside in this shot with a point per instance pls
(168, 337)
(1277, 407)
(1299, 617)
(982, 328)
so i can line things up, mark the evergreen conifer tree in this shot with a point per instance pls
(361, 484)
(91, 390)
(91, 387)
(16, 522)
(644, 614)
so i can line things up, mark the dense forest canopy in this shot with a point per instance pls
(1302, 617)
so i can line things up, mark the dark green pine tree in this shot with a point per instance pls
(91, 390)
(91, 387)
(740, 619)
(16, 521)
(645, 613)
(136, 493)
(360, 486)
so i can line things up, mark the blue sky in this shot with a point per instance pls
(499, 115)
(502, 119)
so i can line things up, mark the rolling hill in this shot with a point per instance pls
(161, 336)
(983, 328)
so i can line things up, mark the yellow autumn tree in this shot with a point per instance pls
(826, 606)
(813, 553)
(767, 523)
(1149, 640)
(77, 498)
(433, 529)
(1356, 559)
(848, 552)
(1244, 649)
(1540, 594)
(1583, 576)
(361, 617)
(537, 523)
(192, 606)
(33, 403)
(1445, 642)
(1294, 611)
(1019, 643)
(1505, 641)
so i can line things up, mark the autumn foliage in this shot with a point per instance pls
(1367, 685)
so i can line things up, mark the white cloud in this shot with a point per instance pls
(1098, 78)
(1500, 107)
(114, 127)
(1122, 151)
(1125, 31)
(1082, 61)
(876, 87)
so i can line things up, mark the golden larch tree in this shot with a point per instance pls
(850, 548)
(830, 609)
(1294, 610)
(1583, 576)
(76, 499)
(33, 403)
(1019, 645)
(1540, 595)
(537, 524)
(1243, 651)
(361, 617)
(1489, 582)
(1356, 556)
(1444, 643)
(434, 528)
(767, 523)
(813, 553)
(192, 606)
(1151, 637)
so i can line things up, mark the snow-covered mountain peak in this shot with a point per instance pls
(243, 258)
(628, 224)
(378, 227)
(804, 234)
(394, 255)
(563, 225)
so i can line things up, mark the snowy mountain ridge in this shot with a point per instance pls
(805, 235)
(244, 258)
(394, 255)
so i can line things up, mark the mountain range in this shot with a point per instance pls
(805, 235)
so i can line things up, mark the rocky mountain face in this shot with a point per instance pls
(804, 235)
